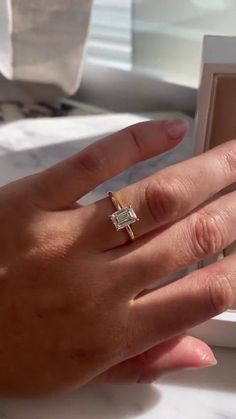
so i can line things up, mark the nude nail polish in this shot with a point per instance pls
(176, 128)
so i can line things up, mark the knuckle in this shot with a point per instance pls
(92, 161)
(229, 157)
(165, 200)
(136, 138)
(208, 234)
(220, 294)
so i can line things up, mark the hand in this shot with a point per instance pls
(72, 300)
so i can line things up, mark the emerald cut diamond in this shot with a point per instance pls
(123, 218)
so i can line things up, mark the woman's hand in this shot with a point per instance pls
(72, 300)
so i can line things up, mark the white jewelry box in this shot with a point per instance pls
(215, 123)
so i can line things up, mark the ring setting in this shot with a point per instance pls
(123, 217)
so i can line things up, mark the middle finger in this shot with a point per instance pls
(201, 234)
(164, 197)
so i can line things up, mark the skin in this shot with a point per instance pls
(74, 305)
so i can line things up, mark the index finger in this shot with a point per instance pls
(63, 184)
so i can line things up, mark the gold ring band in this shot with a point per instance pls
(123, 216)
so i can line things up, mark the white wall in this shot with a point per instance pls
(168, 35)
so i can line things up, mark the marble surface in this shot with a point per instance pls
(27, 146)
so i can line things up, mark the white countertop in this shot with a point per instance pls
(29, 146)
(209, 394)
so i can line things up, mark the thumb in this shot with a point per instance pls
(181, 352)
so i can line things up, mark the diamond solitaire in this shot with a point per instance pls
(123, 218)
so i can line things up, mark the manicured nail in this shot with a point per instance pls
(176, 128)
(208, 359)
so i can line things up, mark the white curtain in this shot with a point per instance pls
(47, 40)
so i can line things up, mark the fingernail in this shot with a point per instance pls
(176, 128)
(208, 359)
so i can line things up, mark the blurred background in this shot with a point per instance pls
(155, 39)
(162, 38)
